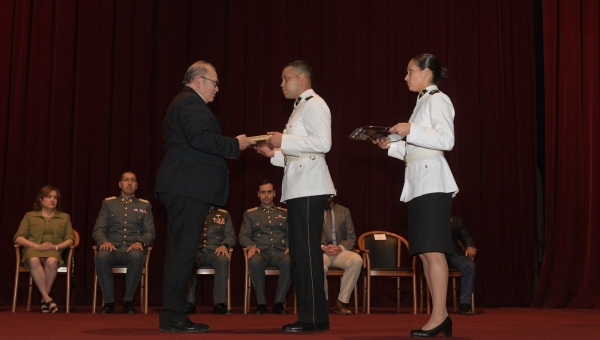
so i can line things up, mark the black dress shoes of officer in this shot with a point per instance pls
(128, 307)
(445, 327)
(220, 308)
(261, 309)
(465, 309)
(191, 308)
(108, 308)
(306, 327)
(279, 309)
(185, 326)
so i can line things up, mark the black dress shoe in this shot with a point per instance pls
(465, 309)
(279, 309)
(108, 308)
(306, 327)
(185, 326)
(261, 309)
(128, 307)
(220, 308)
(191, 308)
(445, 327)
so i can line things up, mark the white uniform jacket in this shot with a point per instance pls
(307, 132)
(432, 127)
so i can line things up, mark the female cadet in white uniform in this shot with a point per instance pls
(429, 185)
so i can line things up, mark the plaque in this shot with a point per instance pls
(369, 132)
(260, 140)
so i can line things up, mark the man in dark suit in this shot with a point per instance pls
(337, 242)
(192, 177)
(462, 259)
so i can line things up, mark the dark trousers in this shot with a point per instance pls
(467, 267)
(185, 220)
(106, 260)
(305, 221)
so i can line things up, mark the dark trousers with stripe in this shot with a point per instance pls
(305, 221)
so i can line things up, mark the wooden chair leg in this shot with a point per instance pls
(14, 302)
(94, 296)
(473, 302)
(355, 298)
(364, 294)
(414, 281)
(454, 294)
(228, 288)
(398, 295)
(368, 294)
(30, 292)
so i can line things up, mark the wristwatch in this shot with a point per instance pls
(226, 245)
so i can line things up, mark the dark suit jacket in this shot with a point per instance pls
(459, 233)
(194, 164)
(344, 228)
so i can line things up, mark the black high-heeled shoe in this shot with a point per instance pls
(445, 326)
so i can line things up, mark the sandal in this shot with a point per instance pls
(44, 307)
(52, 306)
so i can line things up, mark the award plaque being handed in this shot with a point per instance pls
(369, 132)
(261, 139)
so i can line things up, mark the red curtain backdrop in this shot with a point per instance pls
(569, 275)
(84, 87)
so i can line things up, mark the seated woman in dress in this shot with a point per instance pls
(44, 233)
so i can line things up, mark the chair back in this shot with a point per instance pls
(384, 252)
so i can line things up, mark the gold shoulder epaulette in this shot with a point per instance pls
(434, 92)
(280, 208)
(222, 210)
(143, 200)
(252, 209)
(111, 198)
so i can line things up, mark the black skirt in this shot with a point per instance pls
(429, 225)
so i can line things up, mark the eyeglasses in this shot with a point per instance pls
(216, 83)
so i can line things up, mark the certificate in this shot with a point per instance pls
(369, 132)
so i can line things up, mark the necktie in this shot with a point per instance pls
(333, 233)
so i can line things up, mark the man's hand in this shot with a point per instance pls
(253, 250)
(401, 129)
(108, 246)
(382, 142)
(331, 250)
(244, 142)
(135, 245)
(275, 139)
(287, 251)
(471, 252)
(222, 250)
(265, 150)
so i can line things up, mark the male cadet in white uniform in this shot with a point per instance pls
(337, 242)
(123, 231)
(264, 233)
(217, 237)
(306, 187)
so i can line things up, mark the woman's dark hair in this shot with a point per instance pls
(431, 62)
(45, 191)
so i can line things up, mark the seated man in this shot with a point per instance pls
(264, 233)
(123, 231)
(337, 242)
(217, 238)
(462, 259)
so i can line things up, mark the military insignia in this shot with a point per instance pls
(110, 198)
(279, 217)
(218, 219)
(280, 208)
(141, 211)
(126, 200)
(268, 210)
(223, 210)
(252, 209)
(434, 92)
(143, 200)
(308, 98)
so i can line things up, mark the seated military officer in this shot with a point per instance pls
(217, 238)
(264, 233)
(123, 231)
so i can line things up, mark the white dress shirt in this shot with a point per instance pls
(308, 131)
(432, 127)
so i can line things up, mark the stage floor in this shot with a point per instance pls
(487, 323)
